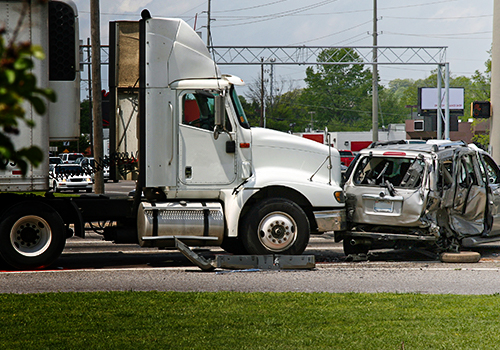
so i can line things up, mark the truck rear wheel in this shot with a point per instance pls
(275, 225)
(32, 236)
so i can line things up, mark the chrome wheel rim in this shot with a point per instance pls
(31, 236)
(277, 231)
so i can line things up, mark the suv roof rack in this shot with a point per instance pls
(387, 143)
(443, 144)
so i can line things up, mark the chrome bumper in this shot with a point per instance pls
(331, 220)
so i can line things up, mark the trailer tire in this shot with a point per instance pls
(32, 236)
(275, 225)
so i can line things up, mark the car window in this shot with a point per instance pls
(491, 169)
(445, 174)
(400, 172)
(466, 174)
(69, 170)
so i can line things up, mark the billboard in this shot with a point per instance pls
(428, 101)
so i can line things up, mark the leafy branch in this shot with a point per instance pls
(18, 86)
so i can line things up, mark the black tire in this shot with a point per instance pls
(32, 236)
(462, 257)
(350, 248)
(275, 225)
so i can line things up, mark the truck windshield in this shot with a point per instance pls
(242, 119)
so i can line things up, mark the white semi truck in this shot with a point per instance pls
(205, 176)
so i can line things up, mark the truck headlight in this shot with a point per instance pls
(339, 196)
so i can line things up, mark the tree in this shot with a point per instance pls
(17, 85)
(338, 94)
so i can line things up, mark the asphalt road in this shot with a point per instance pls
(92, 264)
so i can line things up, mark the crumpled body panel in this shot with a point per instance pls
(422, 192)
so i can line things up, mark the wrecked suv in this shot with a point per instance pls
(432, 196)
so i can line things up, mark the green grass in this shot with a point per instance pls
(229, 320)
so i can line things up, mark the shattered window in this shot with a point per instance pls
(445, 179)
(466, 174)
(400, 172)
(492, 170)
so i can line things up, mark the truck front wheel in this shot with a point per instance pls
(275, 225)
(32, 236)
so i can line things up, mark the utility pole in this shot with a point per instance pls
(262, 100)
(209, 19)
(375, 77)
(495, 85)
(96, 94)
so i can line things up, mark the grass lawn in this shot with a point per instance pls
(231, 320)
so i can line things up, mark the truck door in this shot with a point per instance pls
(203, 159)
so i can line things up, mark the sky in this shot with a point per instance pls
(463, 26)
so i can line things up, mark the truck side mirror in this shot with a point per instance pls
(220, 107)
(220, 115)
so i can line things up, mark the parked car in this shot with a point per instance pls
(70, 177)
(346, 157)
(434, 196)
(70, 158)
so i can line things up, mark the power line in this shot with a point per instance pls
(251, 7)
(281, 14)
(438, 18)
(336, 33)
(443, 35)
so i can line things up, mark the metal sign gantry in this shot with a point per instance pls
(308, 55)
(345, 55)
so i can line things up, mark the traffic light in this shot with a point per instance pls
(480, 109)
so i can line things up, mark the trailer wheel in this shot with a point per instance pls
(32, 236)
(275, 225)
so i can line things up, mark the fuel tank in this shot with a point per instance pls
(194, 223)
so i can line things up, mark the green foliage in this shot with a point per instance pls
(229, 320)
(17, 86)
(286, 113)
(338, 94)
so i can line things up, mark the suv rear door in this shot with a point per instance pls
(387, 189)
(469, 193)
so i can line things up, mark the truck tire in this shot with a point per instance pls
(275, 225)
(32, 236)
